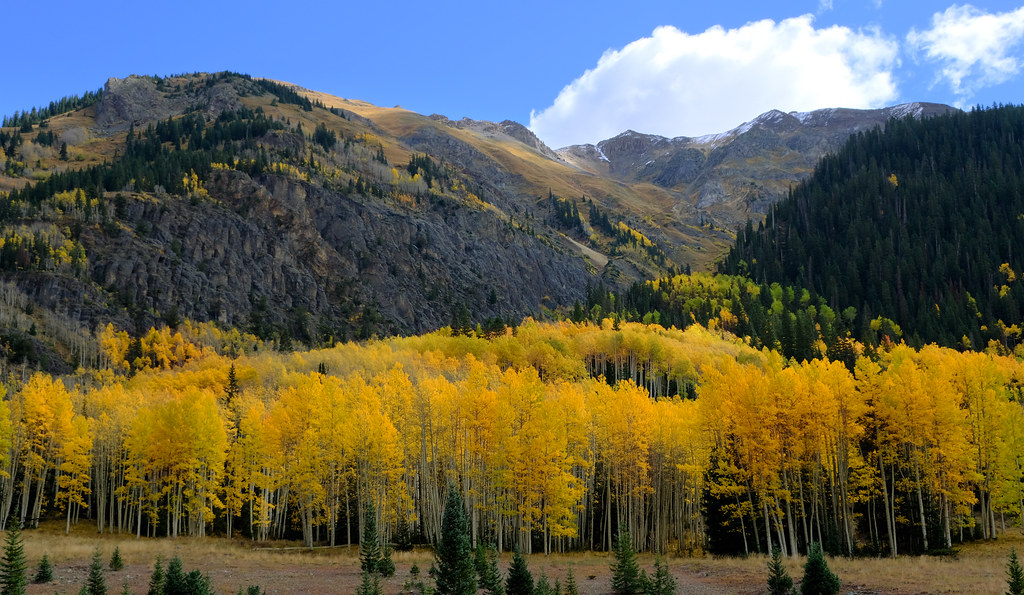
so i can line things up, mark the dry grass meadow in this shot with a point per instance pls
(979, 567)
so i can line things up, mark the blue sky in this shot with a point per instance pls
(575, 72)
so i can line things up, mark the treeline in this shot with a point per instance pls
(913, 451)
(912, 223)
(41, 250)
(795, 322)
(63, 105)
(566, 215)
(163, 155)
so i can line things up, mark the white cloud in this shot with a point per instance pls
(824, 5)
(676, 84)
(975, 49)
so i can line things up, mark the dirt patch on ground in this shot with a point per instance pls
(234, 564)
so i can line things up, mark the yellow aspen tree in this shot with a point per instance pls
(622, 419)
(478, 407)
(301, 452)
(951, 469)
(73, 481)
(8, 453)
(376, 449)
(254, 471)
(110, 409)
(840, 427)
(45, 418)
(980, 384)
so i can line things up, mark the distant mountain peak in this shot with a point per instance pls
(507, 128)
(741, 171)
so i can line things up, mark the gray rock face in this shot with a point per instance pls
(134, 101)
(137, 101)
(341, 259)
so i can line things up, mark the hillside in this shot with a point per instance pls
(300, 216)
(219, 197)
(919, 223)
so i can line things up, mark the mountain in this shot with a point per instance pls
(220, 197)
(739, 174)
(918, 226)
(297, 215)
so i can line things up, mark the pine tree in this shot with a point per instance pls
(12, 566)
(454, 555)
(156, 580)
(402, 536)
(44, 572)
(543, 587)
(570, 584)
(1014, 575)
(386, 567)
(490, 576)
(95, 584)
(175, 582)
(369, 543)
(197, 583)
(232, 389)
(116, 563)
(818, 579)
(625, 570)
(520, 581)
(779, 581)
(663, 582)
(370, 585)
(480, 563)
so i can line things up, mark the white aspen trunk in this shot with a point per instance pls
(888, 508)
(920, 504)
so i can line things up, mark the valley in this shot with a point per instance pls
(243, 316)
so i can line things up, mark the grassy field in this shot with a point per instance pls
(979, 568)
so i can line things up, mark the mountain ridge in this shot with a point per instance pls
(343, 219)
(716, 168)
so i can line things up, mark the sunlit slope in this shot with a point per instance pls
(668, 217)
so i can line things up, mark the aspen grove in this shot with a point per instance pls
(559, 436)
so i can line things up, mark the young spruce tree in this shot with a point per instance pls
(490, 576)
(779, 581)
(662, 583)
(116, 563)
(156, 580)
(520, 581)
(456, 574)
(44, 572)
(96, 584)
(818, 579)
(369, 542)
(626, 577)
(570, 584)
(1014, 575)
(12, 566)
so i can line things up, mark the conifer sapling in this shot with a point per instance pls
(1014, 575)
(779, 581)
(818, 579)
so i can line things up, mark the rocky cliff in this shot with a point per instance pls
(315, 225)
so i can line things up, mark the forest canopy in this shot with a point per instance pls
(558, 436)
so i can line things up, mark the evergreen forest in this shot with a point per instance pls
(919, 222)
